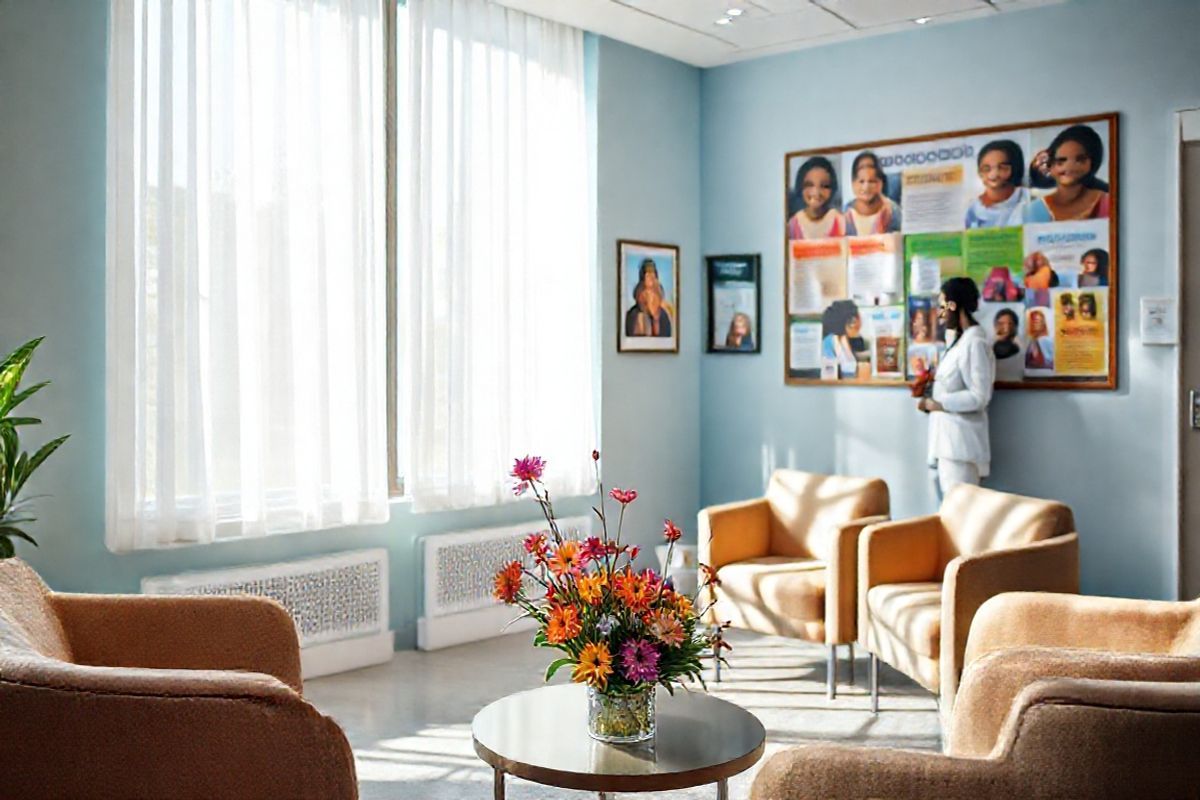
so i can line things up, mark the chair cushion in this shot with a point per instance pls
(912, 612)
(778, 595)
(806, 507)
(979, 520)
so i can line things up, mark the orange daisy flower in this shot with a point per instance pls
(566, 559)
(507, 583)
(633, 591)
(594, 666)
(564, 624)
(590, 587)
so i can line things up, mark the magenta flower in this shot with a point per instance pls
(595, 455)
(623, 496)
(528, 469)
(671, 531)
(593, 549)
(652, 579)
(639, 661)
(535, 545)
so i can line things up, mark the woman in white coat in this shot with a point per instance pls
(962, 389)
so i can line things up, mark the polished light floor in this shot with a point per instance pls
(409, 721)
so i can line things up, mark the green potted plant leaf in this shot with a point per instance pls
(16, 465)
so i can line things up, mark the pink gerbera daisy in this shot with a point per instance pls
(639, 661)
(529, 468)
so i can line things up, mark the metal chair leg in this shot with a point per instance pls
(717, 661)
(874, 684)
(831, 677)
(851, 646)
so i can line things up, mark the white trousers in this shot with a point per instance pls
(951, 473)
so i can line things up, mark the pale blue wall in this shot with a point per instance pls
(1109, 454)
(52, 195)
(648, 185)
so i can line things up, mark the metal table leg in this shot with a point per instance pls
(498, 784)
(723, 789)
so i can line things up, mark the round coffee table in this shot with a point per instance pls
(541, 736)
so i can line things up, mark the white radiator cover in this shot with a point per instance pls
(458, 572)
(339, 603)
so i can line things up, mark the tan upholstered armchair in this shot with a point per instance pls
(1062, 738)
(1021, 637)
(105, 696)
(921, 580)
(787, 562)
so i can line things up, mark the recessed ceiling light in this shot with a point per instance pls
(724, 21)
(735, 12)
(921, 20)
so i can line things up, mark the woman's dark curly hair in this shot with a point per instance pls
(837, 317)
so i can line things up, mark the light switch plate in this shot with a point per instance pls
(1160, 321)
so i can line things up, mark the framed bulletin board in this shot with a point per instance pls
(1028, 211)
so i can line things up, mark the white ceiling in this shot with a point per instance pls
(686, 30)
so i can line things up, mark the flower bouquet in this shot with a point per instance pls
(621, 631)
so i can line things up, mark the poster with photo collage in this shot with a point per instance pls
(1027, 212)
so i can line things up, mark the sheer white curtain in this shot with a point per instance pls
(497, 295)
(246, 269)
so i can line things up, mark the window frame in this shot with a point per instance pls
(391, 207)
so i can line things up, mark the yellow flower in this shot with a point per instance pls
(594, 666)
(683, 605)
(589, 587)
(563, 625)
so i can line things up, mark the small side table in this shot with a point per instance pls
(541, 736)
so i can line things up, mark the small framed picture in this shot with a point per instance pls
(647, 297)
(734, 304)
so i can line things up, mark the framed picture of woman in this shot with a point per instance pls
(647, 297)
(734, 304)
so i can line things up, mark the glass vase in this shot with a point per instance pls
(621, 718)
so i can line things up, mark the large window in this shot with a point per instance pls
(245, 275)
(494, 320)
(273, 243)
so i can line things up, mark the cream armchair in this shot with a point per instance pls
(921, 580)
(787, 562)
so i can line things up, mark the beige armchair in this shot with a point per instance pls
(107, 696)
(921, 580)
(787, 562)
(1062, 738)
(1020, 637)
(1062, 696)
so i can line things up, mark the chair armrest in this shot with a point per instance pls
(253, 634)
(991, 685)
(1071, 737)
(841, 772)
(901, 551)
(841, 584)
(1049, 565)
(734, 532)
(113, 732)
(1020, 619)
